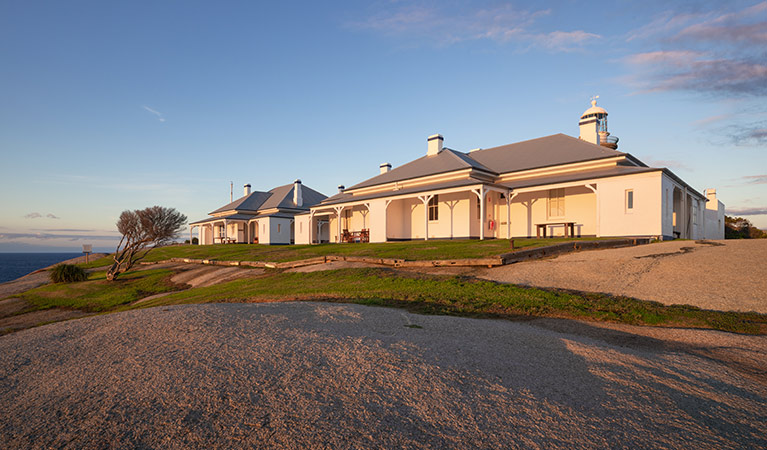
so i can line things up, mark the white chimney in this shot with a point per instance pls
(298, 198)
(341, 188)
(385, 167)
(711, 200)
(246, 190)
(434, 144)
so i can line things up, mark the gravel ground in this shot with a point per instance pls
(723, 275)
(318, 375)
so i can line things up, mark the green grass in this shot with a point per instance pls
(99, 262)
(409, 250)
(97, 294)
(428, 294)
(462, 296)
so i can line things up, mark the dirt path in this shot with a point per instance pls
(723, 275)
(318, 375)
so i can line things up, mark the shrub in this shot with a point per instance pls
(68, 273)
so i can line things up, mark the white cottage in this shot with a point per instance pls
(551, 186)
(258, 217)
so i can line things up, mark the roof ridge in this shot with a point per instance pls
(522, 142)
(454, 154)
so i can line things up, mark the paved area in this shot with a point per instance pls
(723, 275)
(319, 375)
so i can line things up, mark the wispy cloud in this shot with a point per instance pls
(747, 211)
(160, 116)
(756, 179)
(66, 230)
(720, 52)
(706, 121)
(37, 215)
(48, 236)
(747, 135)
(434, 23)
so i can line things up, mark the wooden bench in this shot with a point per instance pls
(541, 227)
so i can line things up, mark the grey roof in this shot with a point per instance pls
(282, 197)
(448, 160)
(279, 197)
(344, 197)
(227, 217)
(547, 151)
(250, 202)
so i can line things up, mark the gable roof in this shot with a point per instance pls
(282, 197)
(250, 202)
(279, 197)
(547, 151)
(448, 160)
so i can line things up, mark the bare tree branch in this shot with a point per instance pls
(143, 230)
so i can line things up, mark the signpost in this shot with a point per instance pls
(87, 249)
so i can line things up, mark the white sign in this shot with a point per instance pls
(87, 248)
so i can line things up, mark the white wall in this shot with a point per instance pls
(303, 229)
(377, 222)
(646, 217)
(278, 230)
(714, 220)
(531, 208)
(405, 218)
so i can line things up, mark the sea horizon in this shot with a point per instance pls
(14, 265)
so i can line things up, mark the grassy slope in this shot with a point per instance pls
(410, 250)
(443, 295)
(97, 294)
(462, 296)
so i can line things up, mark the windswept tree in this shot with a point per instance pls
(142, 230)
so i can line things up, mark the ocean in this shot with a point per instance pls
(15, 265)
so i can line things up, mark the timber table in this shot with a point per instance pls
(541, 227)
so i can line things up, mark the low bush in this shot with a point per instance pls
(68, 273)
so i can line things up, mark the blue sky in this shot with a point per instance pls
(107, 106)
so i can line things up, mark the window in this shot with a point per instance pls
(668, 203)
(434, 208)
(300, 227)
(629, 200)
(263, 227)
(695, 213)
(556, 202)
(279, 228)
(479, 209)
